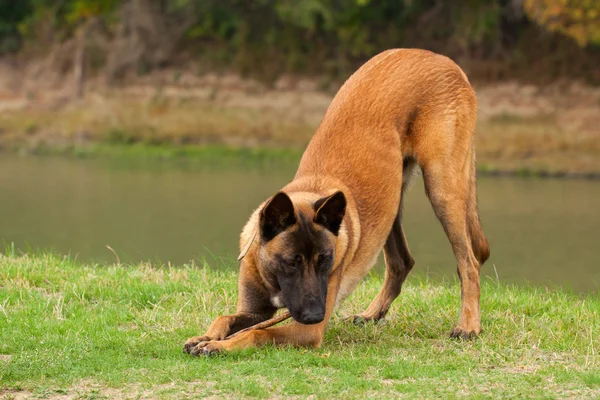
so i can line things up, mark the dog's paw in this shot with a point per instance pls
(360, 319)
(207, 348)
(193, 342)
(464, 334)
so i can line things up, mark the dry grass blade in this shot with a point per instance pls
(263, 325)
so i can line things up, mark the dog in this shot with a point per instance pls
(309, 246)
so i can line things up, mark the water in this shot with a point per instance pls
(542, 232)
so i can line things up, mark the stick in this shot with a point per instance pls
(262, 325)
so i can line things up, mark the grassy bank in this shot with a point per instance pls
(516, 133)
(206, 155)
(90, 331)
(218, 155)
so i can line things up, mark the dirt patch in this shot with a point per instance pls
(5, 359)
(88, 389)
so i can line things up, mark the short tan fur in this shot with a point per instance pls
(310, 245)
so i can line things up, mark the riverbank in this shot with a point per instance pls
(70, 330)
(522, 129)
(229, 156)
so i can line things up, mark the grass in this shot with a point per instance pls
(116, 331)
(206, 155)
(536, 145)
(156, 120)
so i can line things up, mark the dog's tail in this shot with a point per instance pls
(481, 247)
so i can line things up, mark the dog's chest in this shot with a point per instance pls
(277, 300)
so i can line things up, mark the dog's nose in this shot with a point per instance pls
(310, 317)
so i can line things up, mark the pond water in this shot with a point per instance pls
(541, 231)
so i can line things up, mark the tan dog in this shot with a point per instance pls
(310, 245)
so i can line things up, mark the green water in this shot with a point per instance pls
(542, 232)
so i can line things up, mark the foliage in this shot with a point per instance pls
(11, 14)
(83, 9)
(46, 19)
(331, 35)
(579, 19)
(328, 37)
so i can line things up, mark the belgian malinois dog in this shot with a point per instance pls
(308, 246)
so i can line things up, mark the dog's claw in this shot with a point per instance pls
(193, 342)
(362, 320)
(187, 347)
(207, 348)
(458, 333)
(198, 349)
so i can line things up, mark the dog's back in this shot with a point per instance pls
(388, 117)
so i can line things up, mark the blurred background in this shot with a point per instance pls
(155, 127)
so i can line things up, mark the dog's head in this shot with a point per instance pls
(297, 251)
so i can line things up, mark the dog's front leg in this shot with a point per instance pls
(294, 334)
(253, 307)
(225, 325)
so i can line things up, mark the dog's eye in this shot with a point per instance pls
(324, 259)
(292, 265)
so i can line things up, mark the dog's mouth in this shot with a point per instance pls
(312, 319)
(307, 309)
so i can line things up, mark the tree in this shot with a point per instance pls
(579, 19)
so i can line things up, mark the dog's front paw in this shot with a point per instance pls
(193, 342)
(360, 319)
(465, 333)
(207, 348)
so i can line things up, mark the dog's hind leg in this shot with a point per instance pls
(398, 261)
(448, 193)
(449, 174)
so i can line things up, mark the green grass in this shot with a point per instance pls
(106, 331)
(207, 155)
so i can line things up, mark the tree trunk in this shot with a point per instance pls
(79, 63)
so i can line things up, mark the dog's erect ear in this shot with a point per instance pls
(330, 211)
(276, 216)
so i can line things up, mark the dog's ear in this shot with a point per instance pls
(330, 211)
(276, 216)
